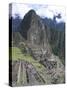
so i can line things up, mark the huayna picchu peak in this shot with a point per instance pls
(35, 59)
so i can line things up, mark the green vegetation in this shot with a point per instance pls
(57, 42)
(55, 50)
(18, 55)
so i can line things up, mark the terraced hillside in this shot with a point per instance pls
(28, 71)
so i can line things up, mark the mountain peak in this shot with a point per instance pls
(27, 20)
(33, 29)
(32, 11)
(30, 14)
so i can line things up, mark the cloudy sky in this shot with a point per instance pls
(42, 10)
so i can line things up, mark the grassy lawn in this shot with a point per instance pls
(18, 55)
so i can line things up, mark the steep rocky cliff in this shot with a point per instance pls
(34, 31)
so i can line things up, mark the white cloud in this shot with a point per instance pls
(57, 9)
(20, 9)
(41, 10)
(50, 11)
